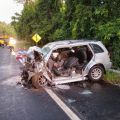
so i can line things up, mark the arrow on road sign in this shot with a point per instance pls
(36, 38)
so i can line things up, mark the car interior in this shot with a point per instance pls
(65, 62)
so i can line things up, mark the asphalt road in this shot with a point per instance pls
(18, 103)
(89, 101)
(92, 101)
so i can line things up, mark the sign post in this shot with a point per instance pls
(36, 38)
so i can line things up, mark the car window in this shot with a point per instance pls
(96, 48)
(45, 50)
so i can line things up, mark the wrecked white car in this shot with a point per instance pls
(66, 61)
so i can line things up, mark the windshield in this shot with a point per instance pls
(45, 50)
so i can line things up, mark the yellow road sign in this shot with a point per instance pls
(36, 38)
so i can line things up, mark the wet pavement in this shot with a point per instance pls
(89, 101)
(19, 103)
(94, 101)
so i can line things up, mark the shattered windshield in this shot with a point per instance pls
(45, 50)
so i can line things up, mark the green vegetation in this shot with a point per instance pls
(112, 77)
(6, 29)
(71, 19)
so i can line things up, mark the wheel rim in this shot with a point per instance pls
(96, 73)
(42, 81)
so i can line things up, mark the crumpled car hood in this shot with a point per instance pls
(34, 48)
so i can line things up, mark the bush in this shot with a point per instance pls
(112, 77)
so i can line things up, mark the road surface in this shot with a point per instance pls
(17, 103)
(83, 101)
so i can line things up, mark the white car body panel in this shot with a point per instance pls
(99, 58)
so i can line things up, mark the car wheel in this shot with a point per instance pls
(38, 81)
(96, 73)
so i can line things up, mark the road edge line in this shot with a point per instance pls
(62, 105)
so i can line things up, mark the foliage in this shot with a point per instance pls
(112, 77)
(108, 31)
(71, 19)
(6, 29)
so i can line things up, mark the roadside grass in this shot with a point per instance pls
(112, 77)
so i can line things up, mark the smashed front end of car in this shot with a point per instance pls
(34, 70)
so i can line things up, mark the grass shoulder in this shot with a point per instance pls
(112, 77)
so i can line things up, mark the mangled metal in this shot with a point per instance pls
(59, 63)
(34, 68)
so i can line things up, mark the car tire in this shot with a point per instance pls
(96, 73)
(38, 81)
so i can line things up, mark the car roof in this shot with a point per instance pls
(69, 42)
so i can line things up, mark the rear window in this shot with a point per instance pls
(96, 48)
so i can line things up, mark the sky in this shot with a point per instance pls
(8, 8)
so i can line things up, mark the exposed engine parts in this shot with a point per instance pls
(64, 62)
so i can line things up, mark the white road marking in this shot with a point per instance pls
(64, 87)
(62, 105)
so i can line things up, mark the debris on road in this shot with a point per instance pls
(64, 87)
(71, 100)
(86, 92)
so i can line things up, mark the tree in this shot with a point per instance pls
(71, 19)
(6, 29)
